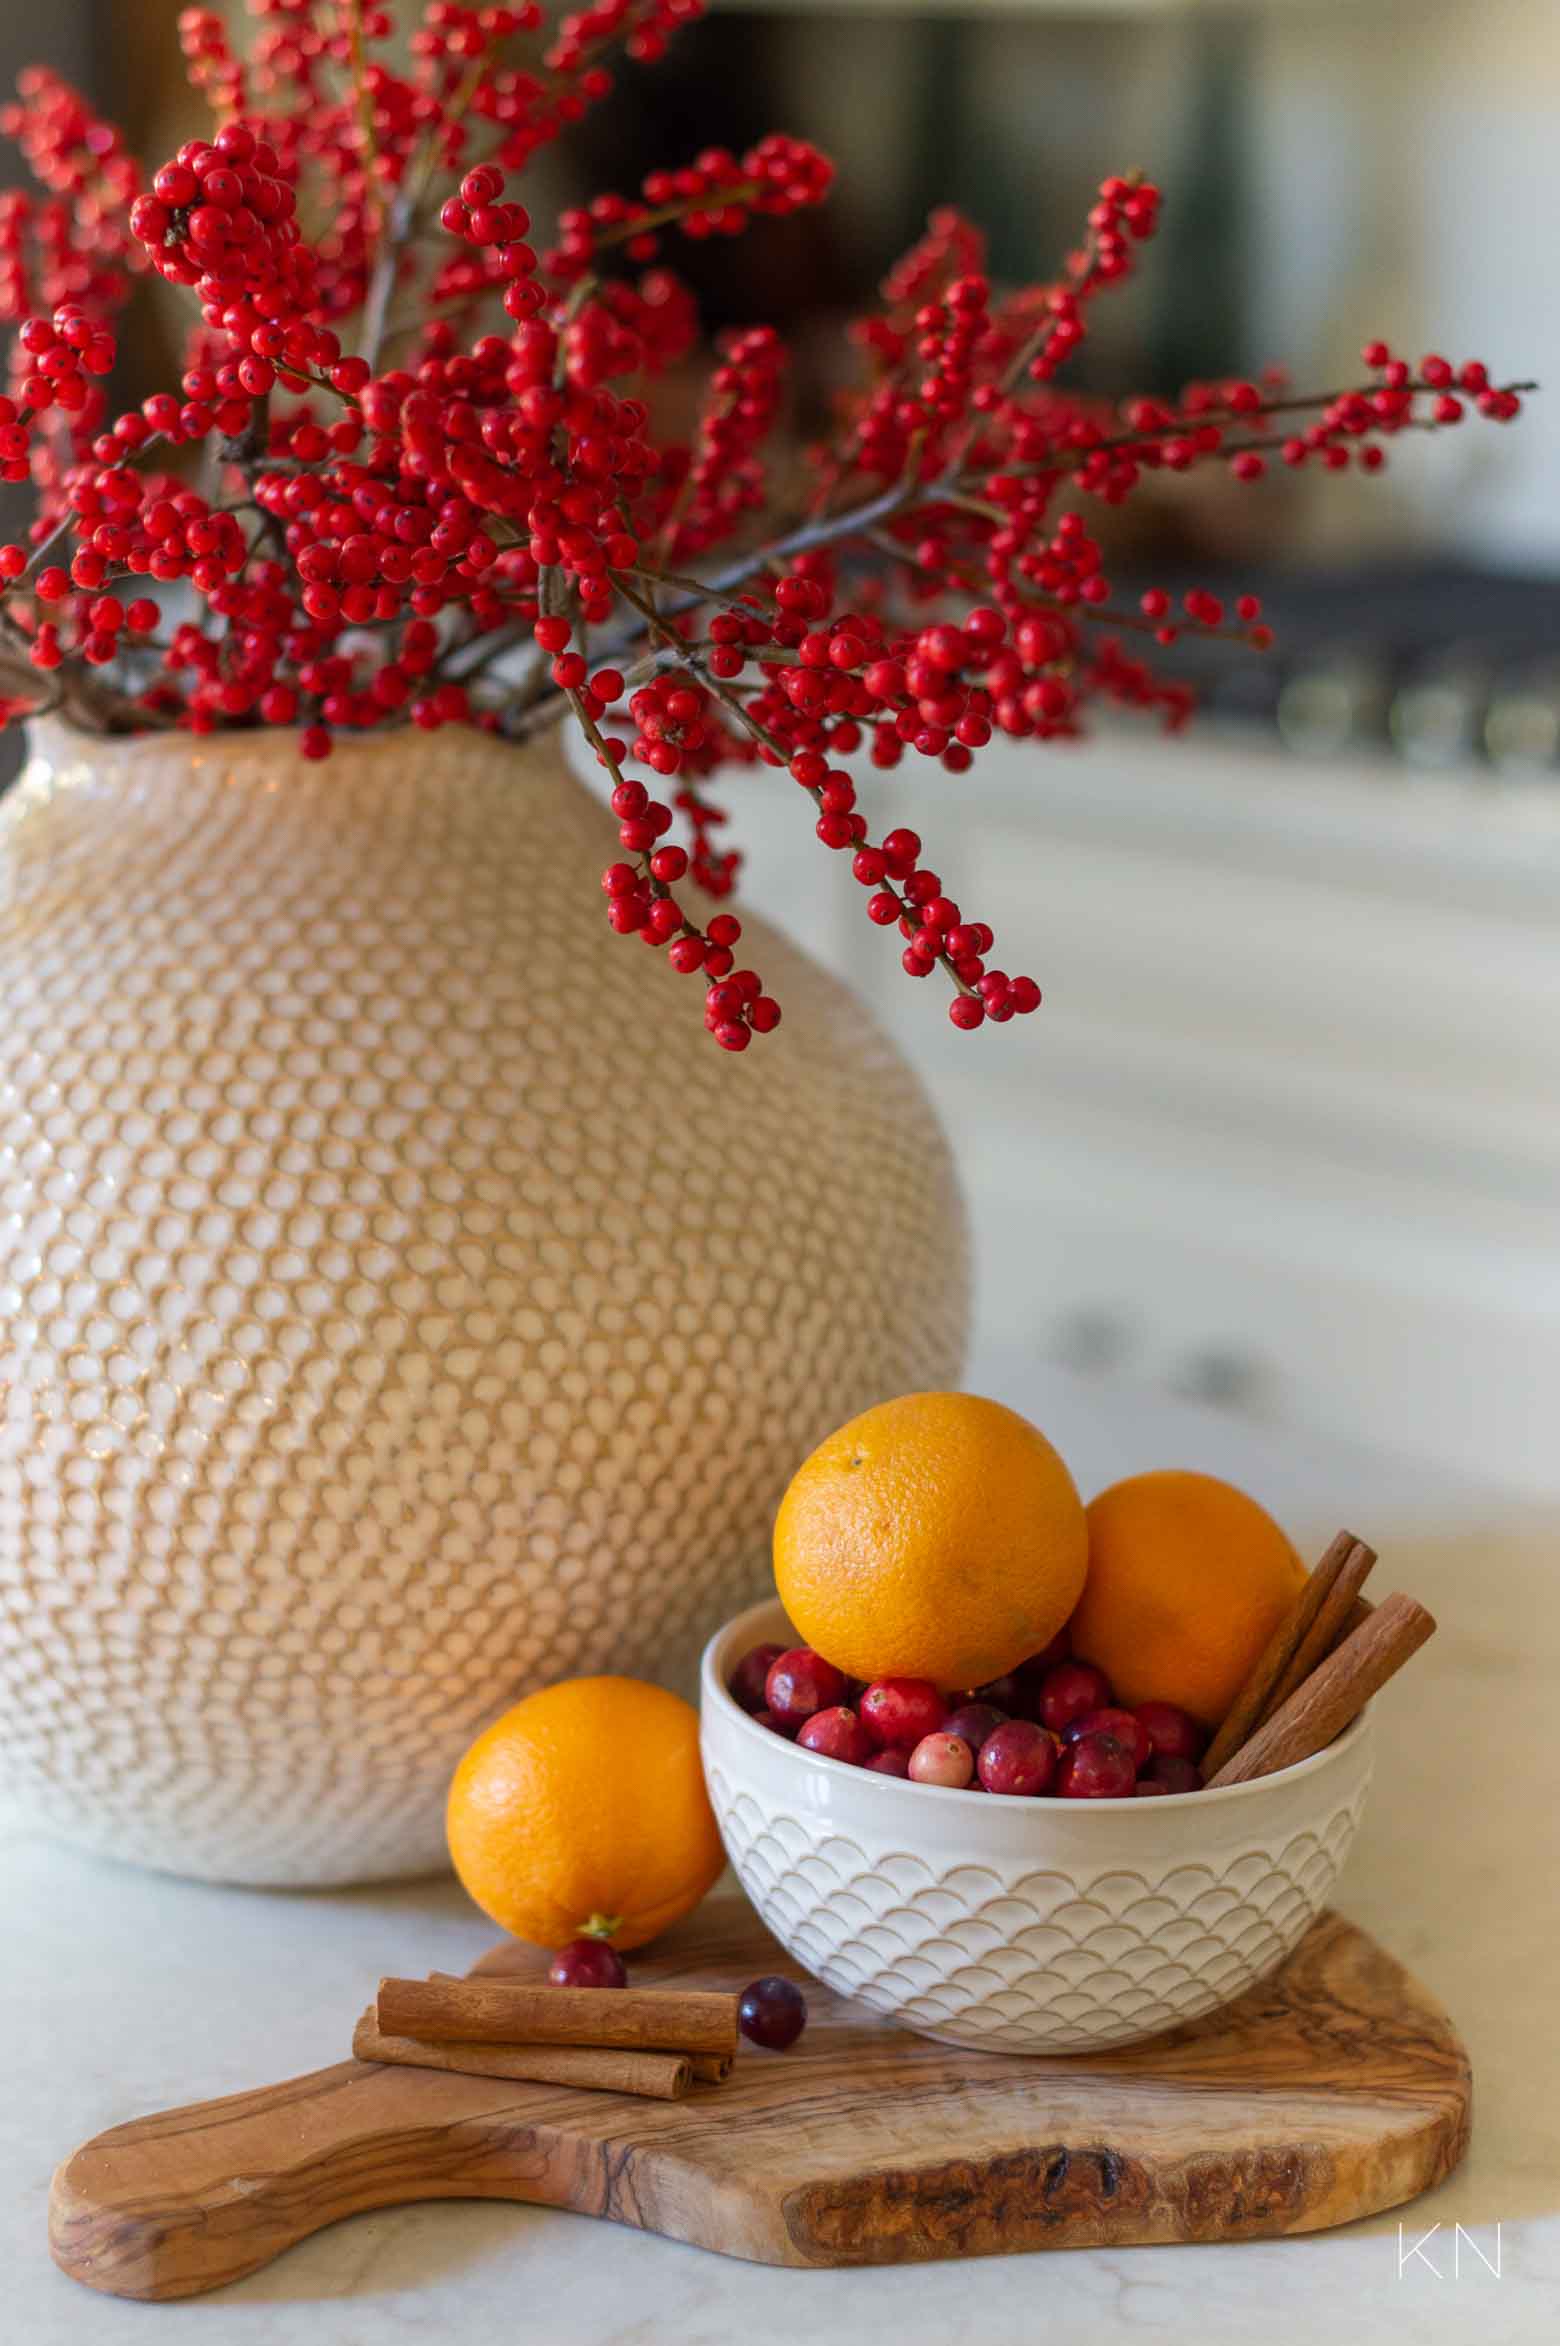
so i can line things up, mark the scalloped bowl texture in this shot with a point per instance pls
(1029, 1926)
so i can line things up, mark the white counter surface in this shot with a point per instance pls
(127, 1992)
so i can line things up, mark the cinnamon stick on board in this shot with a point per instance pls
(708, 2068)
(1336, 1691)
(1245, 1712)
(1331, 1623)
(507, 2012)
(661, 2077)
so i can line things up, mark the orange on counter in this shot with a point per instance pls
(1188, 1579)
(582, 1813)
(937, 1536)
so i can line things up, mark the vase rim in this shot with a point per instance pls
(399, 766)
(253, 740)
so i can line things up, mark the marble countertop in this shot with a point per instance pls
(126, 1992)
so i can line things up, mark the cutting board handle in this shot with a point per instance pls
(175, 2204)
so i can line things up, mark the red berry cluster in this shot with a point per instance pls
(434, 491)
(643, 26)
(478, 215)
(982, 366)
(55, 359)
(716, 196)
(1050, 1728)
(640, 903)
(951, 248)
(221, 220)
(952, 334)
(77, 250)
(726, 478)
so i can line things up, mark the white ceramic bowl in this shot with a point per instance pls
(1037, 1926)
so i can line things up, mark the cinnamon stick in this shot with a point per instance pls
(1359, 1611)
(1336, 1691)
(1245, 1713)
(1332, 1622)
(509, 2012)
(708, 2068)
(661, 2077)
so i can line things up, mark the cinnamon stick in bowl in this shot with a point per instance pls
(1255, 1697)
(1334, 1620)
(1336, 1691)
(510, 2012)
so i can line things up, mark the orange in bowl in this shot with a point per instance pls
(582, 1813)
(1187, 1580)
(937, 1536)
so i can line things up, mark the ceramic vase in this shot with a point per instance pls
(403, 1301)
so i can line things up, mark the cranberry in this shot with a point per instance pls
(972, 1722)
(801, 1682)
(839, 1735)
(1147, 1787)
(766, 1718)
(1176, 1774)
(1174, 1733)
(746, 1683)
(587, 1963)
(1018, 1758)
(893, 1762)
(1017, 1692)
(901, 1710)
(1027, 1680)
(942, 1759)
(999, 1694)
(1067, 1690)
(1096, 1767)
(772, 2013)
(1126, 1726)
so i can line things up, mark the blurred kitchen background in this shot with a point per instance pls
(1286, 1137)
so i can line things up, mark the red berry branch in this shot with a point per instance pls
(408, 474)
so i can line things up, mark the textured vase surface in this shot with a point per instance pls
(403, 1301)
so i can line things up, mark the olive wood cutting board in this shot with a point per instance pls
(1335, 2089)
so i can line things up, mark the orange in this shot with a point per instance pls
(582, 1811)
(1188, 1579)
(937, 1536)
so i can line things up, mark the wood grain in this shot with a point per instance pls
(1335, 2089)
